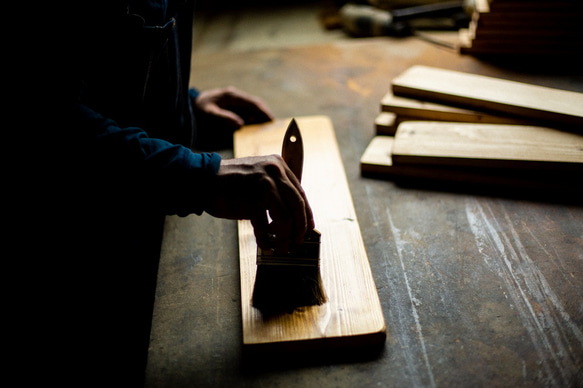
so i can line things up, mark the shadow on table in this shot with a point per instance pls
(571, 194)
(257, 363)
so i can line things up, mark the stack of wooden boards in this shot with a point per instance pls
(447, 125)
(533, 27)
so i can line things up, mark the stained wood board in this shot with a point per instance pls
(377, 161)
(352, 316)
(563, 34)
(521, 10)
(534, 6)
(525, 18)
(469, 45)
(423, 110)
(510, 23)
(487, 145)
(492, 94)
(524, 47)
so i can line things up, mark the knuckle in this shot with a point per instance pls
(274, 166)
(266, 185)
(230, 91)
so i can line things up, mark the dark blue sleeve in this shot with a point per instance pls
(164, 175)
(193, 93)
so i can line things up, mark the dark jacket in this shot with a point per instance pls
(130, 99)
(107, 142)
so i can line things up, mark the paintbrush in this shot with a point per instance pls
(288, 280)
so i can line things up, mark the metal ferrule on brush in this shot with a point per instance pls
(306, 254)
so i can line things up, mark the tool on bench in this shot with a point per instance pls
(364, 20)
(288, 280)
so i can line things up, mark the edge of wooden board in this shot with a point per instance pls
(369, 340)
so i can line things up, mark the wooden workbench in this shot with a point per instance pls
(477, 288)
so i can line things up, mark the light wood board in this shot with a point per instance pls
(493, 94)
(386, 123)
(377, 161)
(423, 110)
(487, 145)
(352, 316)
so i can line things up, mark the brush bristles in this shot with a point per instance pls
(286, 282)
(284, 288)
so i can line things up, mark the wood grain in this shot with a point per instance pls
(377, 161)
(352, 315)
(423, 110)
(487, 145)
(480, 92)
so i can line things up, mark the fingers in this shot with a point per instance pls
(230, 118)
(255, 109)
(295, 197)
(261, 229)
(230, 108)
(276, 192)
(248, 188)
(251, 108)
(288, 206)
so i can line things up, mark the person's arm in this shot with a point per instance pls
(168, 176)
(179, 181)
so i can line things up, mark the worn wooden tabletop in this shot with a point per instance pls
(477, 288)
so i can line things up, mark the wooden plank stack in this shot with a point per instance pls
(524, 27)
(453, 126)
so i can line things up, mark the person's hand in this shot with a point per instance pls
(219, 112)
(248, 188)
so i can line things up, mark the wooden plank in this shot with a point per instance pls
(504, 21)
(493, 94)
(377, 161)
(386, 123)
(535, 6)
(482, 6)
(488, 145)
(568, 24)
(528, 17)
(527, 8)
(423, 110)
(469, 45)
(540, 33)
(518, 47)
(352, 316)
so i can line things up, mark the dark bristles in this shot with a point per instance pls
(282, 287)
